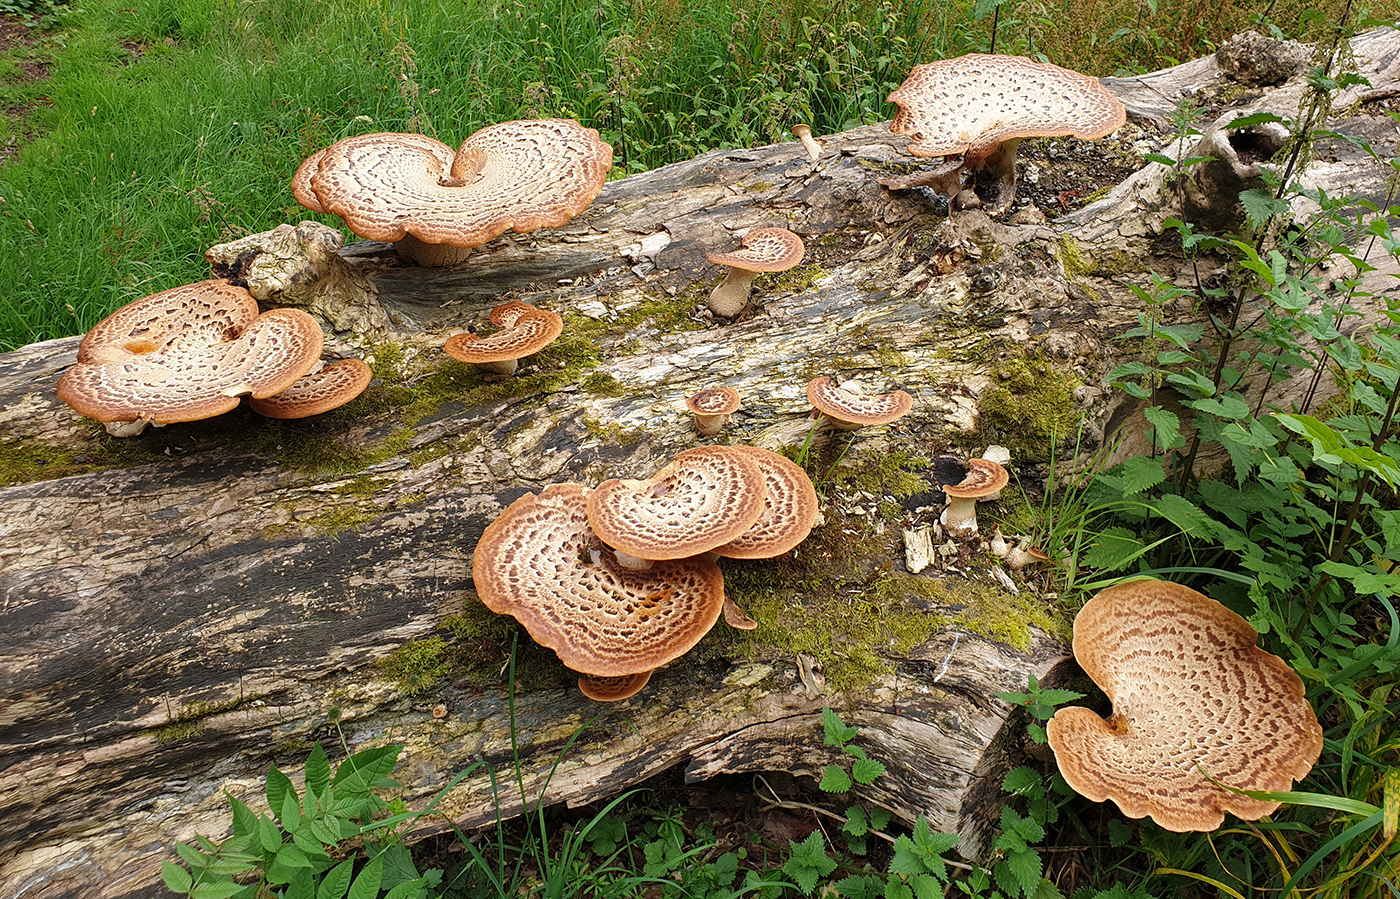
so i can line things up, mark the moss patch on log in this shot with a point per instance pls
(1029, 407)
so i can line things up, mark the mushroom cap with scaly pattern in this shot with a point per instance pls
(1192, 696)
(541, 563)
(317, 392)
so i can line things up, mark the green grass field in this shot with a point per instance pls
(165, 127)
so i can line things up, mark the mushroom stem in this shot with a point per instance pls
(503, 367)
(430, 255)
(732, 295)
(959, 518)
(627, 560)
(998, 173)
(804, 134)
(709, 425)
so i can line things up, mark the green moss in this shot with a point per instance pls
(330, 522)
(600, 383)
(794, 280)
(24, 462)
(984, 610)
(191, 722)
(1029, 407)
(756, 186)
(1071, 258)
(613, 433)
(418, 664)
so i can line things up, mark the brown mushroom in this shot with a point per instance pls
(848, 410)
(702, 498)
(763, 250)
(1193, 699)
(976, 109)
(813, 147)
(710, 409)
(436, 205)
(790, 507)
(186, 354)
(613, 689)
(735, 617)
(317, 392)
(984, 478)
(524, 332)
(541, 563)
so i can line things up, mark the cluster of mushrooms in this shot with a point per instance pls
(621, 579)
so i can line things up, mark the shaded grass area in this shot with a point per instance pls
(167, 126)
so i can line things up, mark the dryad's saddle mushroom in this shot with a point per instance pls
(848, 410)
(975, 110)
(186, 354)
(525, 330)
(541, 563)
(317, 392)
(1193, 699)
(763, 250)
(702, 498)
(790, 508)
(984, 480)
(710, 409)
(435, 204)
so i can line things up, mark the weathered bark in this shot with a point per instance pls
(182, 608)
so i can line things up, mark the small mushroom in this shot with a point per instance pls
(710, 409)
(1022, 555)
(703, 498)
(321, 391)
(736, 617)
(984, 478)
(1193, 699)
(813, 146)
(541, 563)
(790, 507)
(187, 354)
(436, 204)
(764, 250)
(975, 110)
(524, 332)
(847, 410)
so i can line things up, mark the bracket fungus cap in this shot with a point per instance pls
(703, 498)
(1192, 696)
(523, 333)
(541, 563)
(436, 203)
(187, 354)
(710, 409)
(849, 410)
(613, 689)
(761, 250)
(317, 392)
(790, 507)
(980, 106)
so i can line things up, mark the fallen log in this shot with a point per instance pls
(185, 607)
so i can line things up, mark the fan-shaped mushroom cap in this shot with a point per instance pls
(317, 392)
(613, 689)
(541, 563)
(406, 187)
(763, 250)
(848, 410)
(790, 507)
(710, 409)
(704, 497)
(980, 106)
(970, 104)
(1192, 695)
(186, 354)
(984, 480)
(526, 331)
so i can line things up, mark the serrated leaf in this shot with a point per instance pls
(1183, 513)
(1166, 428)
(866, 771)
(926, 886)
(193, 857)
(398, 866)
(860, 886)
(364, 770)
(837, 732)
(1140, 473)
(318, 770)
(222, 890)
(1021, 779)
(176, 878)
(405, 890)
(1260, 206)
(1119, 834)
(279, 786)
(1112, 549)
(834, 780)
(291, 856)
(856, 824)
(1024, 868)
(879, 818)
(269, 835)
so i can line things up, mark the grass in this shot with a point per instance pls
(165, 127)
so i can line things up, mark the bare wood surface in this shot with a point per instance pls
(183, 608)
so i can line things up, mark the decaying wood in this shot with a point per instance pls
(185, 607)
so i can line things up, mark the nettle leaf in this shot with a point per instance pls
(1024, 868)
(1260, 206)
(879, 818)
(1184, 514)
(860, 886)
(856, 824)
(1230, 406)
(1022, 779)
(1119, 834)
(866, 771)
(1255, 118)
(808, 862)
(834, 780)
(838, 733)
(1141, 473)
(1112, 549)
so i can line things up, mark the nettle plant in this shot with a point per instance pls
(1301, 530)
